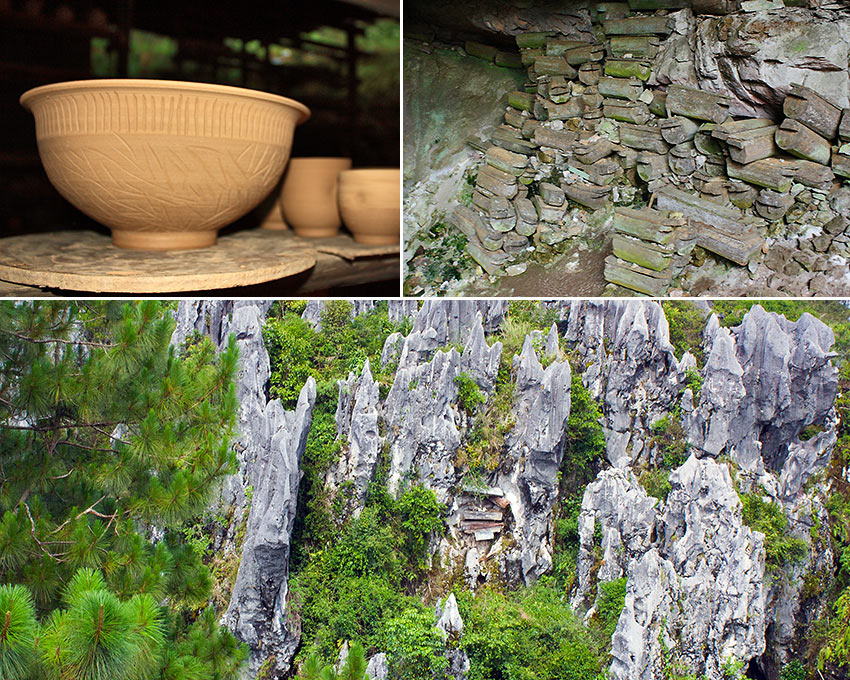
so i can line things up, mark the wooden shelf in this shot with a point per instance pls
(47, 24)
(87, 262)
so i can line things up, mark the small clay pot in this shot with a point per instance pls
(370, 203)
(309, 196)
(163, 164)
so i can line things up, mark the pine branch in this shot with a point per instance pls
(46, 341)
(35, 538)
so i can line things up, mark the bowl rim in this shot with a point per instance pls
(27, 97)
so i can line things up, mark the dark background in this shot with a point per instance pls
(340, 58)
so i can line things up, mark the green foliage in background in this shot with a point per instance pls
(687, 323)
(530, 634)
(354, 667)
(106, 430)
(354, 588)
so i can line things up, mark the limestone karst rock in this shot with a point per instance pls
(697, 583)
(357, 426)
(269, 443)
(630, 367)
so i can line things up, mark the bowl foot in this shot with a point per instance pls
(163, 240)
(316, 232)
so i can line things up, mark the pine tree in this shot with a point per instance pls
(107, 431)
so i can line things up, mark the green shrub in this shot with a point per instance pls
(656, 482)
(531, 634)
(609, 605)
(693, 380)
(469, 395)
(793, 670)
(420, 514)
(780, 547)
(669, 437)
(585, 441)
(687, 323)
(415, 646)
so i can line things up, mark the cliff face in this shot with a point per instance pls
(698, 589)
(262, 496)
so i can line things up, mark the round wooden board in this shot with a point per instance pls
(87, 261)
(346, 247)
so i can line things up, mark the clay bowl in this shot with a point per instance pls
(369, 202)
(163, 164)
(309, 196)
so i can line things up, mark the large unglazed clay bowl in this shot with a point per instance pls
(163, 164)
(369, 202)
(309, 196)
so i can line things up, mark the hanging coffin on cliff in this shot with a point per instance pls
(658, 104)
(582, 55)
(557, 47)
(741, 194)
(678, 129)
(563, 140)
(642, 137)
(507, 161)
(840, 163)
(646, 223)
(634, 277)
(591, 151)
(640, 46)
(815, 112)
(620, 88)
(533, 39)
(510, 138)
(553, 66)
(751, 145)
(651, 166)
(653, 25)
(587, 194)
(589, 73)
(626, 111)
(814, 175)
(772, 205)
(700, 104)
(650, 255)
(521, 100)
(681, 159)
(546, 110)
(844, 126)
(770, 173)
(798, 140)
(628, 68)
